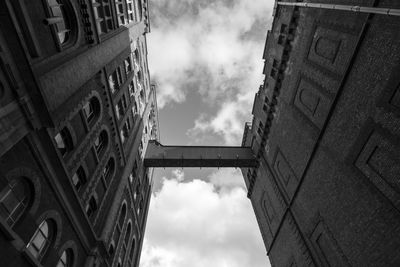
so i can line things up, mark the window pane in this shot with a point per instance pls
(33, 251)
(39, 240)
(59, 141)
(10, 202)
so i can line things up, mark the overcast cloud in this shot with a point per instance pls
(207, 52)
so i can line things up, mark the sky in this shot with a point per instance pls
(205, 56)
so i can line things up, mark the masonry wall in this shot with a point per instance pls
(49, 135)
(326, 190)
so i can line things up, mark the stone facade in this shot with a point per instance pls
(76, 113)
(326, 132)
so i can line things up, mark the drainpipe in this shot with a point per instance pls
(357, 9)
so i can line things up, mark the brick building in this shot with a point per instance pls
(326, 131)
(76, 113)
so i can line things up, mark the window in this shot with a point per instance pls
(266, 103)
(111, 249)
(125, 130)
(59, 20)
(128, 65)
(108, 170)
(101, 142)
(119, 6)
(91, 207)
(14, 199)
(129, 4)
(131, 89)
(64, 141)
(102, 13)
(132, 252)
(139, 2)
(122, 215)
(260, 128)
(66, 259)
(79, 178)
(115, 80)
(128, 234)
(119, 109)
(41, 240)
(91, 109)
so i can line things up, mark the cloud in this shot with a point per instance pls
(179, 175)
(193, 224)
(213, 48)
(227, 179)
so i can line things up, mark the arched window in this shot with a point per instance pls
(79, 178)
(60, 12)
(128, 234)
(41, 239)
(91, 109)
(64, 141)
(91, 207)
(101, 142)
(14, 199)
(66, 259)
(108, 170)
(122, 215)
(132, 252)
(111, 248)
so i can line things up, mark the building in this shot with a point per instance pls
(326, 134)
(76, 113)
(321, 158)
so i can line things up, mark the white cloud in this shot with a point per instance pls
(179, 175)
(191, 224)
(227, 178)
(213, 48)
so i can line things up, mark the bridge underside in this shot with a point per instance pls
(158, 155)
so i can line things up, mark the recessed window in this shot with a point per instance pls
(14, 199)
(91, 109)
(41, 240)
(122, 215)
(64, 141)
(132, 252)
(60, 13)
(101, 142)
(102, 14)
(119, 6)
(111, 249)
(66, 259)
(128, 234)
(79, 178)
(91, 207)
(130, 7)
(115, 80)
(125, 130)
(128, 65)
(108, 170)
(131, 89)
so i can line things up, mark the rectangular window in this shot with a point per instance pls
(128, 65)
(102, 14)
(119, 6)
(115, 80)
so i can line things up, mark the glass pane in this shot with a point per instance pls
(10, 202)
(33, 251)
(59, 141)
(39, 240)
(98, 12)
(76, 180)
